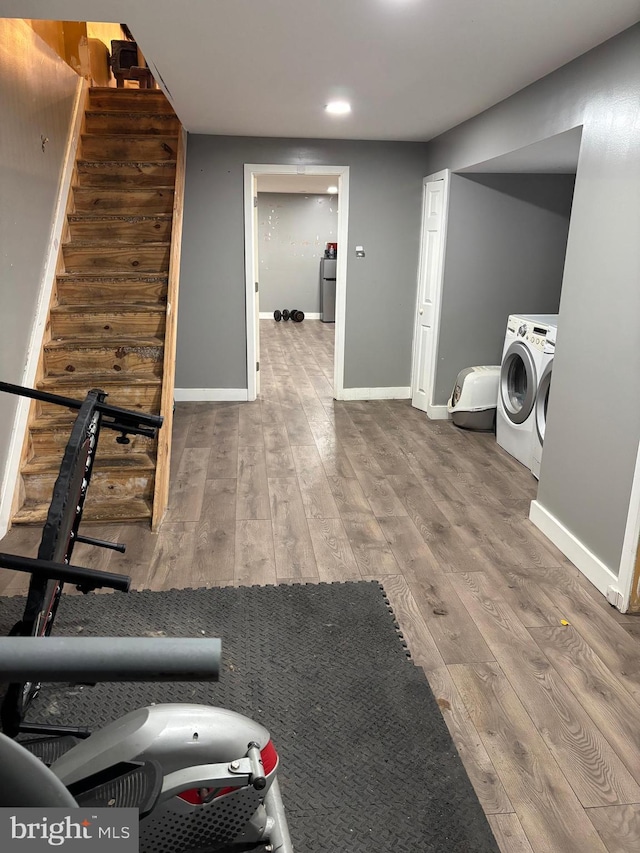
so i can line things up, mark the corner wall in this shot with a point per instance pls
(37, 93)
(594, 414)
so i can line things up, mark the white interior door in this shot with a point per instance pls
(429, 283)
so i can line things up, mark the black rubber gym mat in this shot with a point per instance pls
(367, 763)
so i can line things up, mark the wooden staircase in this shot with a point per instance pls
(113, 311)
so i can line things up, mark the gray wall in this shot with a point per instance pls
(293, 230)
(384, 217)
(594, 417)
(506, 242)
(37, 92)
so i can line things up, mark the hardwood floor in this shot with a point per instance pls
(297, 487)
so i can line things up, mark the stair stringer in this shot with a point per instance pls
(163, 464)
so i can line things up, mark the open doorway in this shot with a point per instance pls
(304, 256)
(297, 230)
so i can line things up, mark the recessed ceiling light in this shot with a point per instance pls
(338, 108)
(332, 190)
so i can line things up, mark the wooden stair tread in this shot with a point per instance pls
(112, 90)
(131, 121)
(131, 114)
(91, 342)
(117, 92)
(116, 256)
(104, 463)
(118, 217)
(125, 190)
(98, 379)
(130, 170)
(125, 146)
(129, 137)
(105, 244)
(147, 248)
(125, 200)
(96, 509)
(126, 127)
(100, 103)
(100, 164)
(117, 275)
(109, 308)
(120, 93)
(109, 298)
(121, 286)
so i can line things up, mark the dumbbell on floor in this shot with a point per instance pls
(295, 315)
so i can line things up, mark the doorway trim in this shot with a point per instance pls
(433, 412)
(251, 172)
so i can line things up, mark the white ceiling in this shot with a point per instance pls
(411, 68)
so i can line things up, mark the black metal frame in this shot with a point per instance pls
(60, 532)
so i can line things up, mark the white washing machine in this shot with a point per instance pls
(519, 377)
(542, 399)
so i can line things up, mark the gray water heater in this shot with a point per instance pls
(328, 290)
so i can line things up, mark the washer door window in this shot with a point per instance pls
(542, 401)
(518, 382)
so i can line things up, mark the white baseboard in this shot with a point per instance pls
(12, 468)
(210, 395)
(591, 566)
(399, 393)
(268, 315)
(437, 413)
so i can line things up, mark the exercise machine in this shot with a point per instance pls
(203, 779)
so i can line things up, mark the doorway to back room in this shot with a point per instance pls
(297, 232)
(295, 241)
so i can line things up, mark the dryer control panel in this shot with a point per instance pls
(535, 334)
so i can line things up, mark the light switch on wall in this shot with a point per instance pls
(359, 251)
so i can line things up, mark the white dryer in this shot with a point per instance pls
(542, 399)
(519, 376)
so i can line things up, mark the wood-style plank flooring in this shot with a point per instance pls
(297, 487)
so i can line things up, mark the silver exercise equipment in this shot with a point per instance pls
(203, 778)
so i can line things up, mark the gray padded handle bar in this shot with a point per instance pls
(94, 659)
